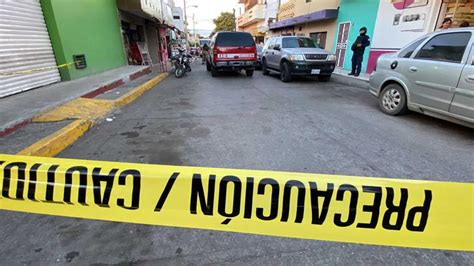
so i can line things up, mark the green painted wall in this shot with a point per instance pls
(361, 13)
(89, 27)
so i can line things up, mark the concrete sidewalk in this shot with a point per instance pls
(17, 110)
(341, 76)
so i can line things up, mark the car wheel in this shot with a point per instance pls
(324, 78)
(249, 73)
(208, 66)
(393, 100)
(265, 68)
(285, 74)
(214, 71)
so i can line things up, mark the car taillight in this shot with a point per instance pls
(216, 54)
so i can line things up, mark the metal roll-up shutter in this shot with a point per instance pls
(24, 46)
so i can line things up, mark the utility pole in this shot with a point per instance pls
(235, 20)
(194, 31)
(185, 25)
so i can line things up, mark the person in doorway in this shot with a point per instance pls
(447, 24)
(464, 24)
(358, 49)
(205, 53)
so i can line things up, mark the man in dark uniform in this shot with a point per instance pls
(359, 48)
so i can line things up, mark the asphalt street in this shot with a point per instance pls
(234, 121)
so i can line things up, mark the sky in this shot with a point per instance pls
(206, 11)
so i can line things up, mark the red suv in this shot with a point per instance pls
(232, 51)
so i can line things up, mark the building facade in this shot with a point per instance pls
(253, 18)
(353, 15)
(46, 41)
(392, 24)
(96, 40)
(311, 18)
(25, 46)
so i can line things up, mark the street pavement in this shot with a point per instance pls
(250, 123)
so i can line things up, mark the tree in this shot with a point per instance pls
(225, 22)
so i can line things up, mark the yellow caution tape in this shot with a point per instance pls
(30, 71)
(379, 211)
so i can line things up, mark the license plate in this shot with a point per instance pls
(315, 71)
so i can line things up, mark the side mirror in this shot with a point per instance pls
(277, 47)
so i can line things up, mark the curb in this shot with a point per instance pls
(138, 91)
(350, 81)
(9, 129)
(116, 83)
(55, 143)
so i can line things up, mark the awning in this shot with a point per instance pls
(325, 14)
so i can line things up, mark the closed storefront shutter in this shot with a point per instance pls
(26, 55)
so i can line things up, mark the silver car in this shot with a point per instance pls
(295, 55)
(434, 75)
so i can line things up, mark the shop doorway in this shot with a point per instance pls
(341, 45)
(133, 38)
(319, 38)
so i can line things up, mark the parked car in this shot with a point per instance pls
(232, 51)
(259, 57)
(433, 75)
(295, 55)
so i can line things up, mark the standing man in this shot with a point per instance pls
(205, 53)
(359, 48)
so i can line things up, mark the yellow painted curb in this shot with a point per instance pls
(53, 144)
(80, 108)
(135, 93)
(87, 111)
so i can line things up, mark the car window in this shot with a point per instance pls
(267, 43)
(298, 42)
(407, 52)
(271, 43)
(449, 47)
(233, 39)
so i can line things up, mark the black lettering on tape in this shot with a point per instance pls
(136, 185)
(32, 180)
(166, 191)
(82, 170)
(249, 198)
(374, 208)
(97, 178)
(287, 197)
(51, 181)
(398, 210)
(237, 195)
(20, 178)
(320, 217)
(423, 211)
(352, 205)
(274, 199)
(197, 191)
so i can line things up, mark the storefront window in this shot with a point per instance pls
(319, 38)
(460, 11)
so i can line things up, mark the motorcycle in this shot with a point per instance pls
(182, 63)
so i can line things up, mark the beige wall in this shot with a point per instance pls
(321, 26)
(300, 8)
(303, 8)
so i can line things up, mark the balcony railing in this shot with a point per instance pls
(287, 10)
(251, 16)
